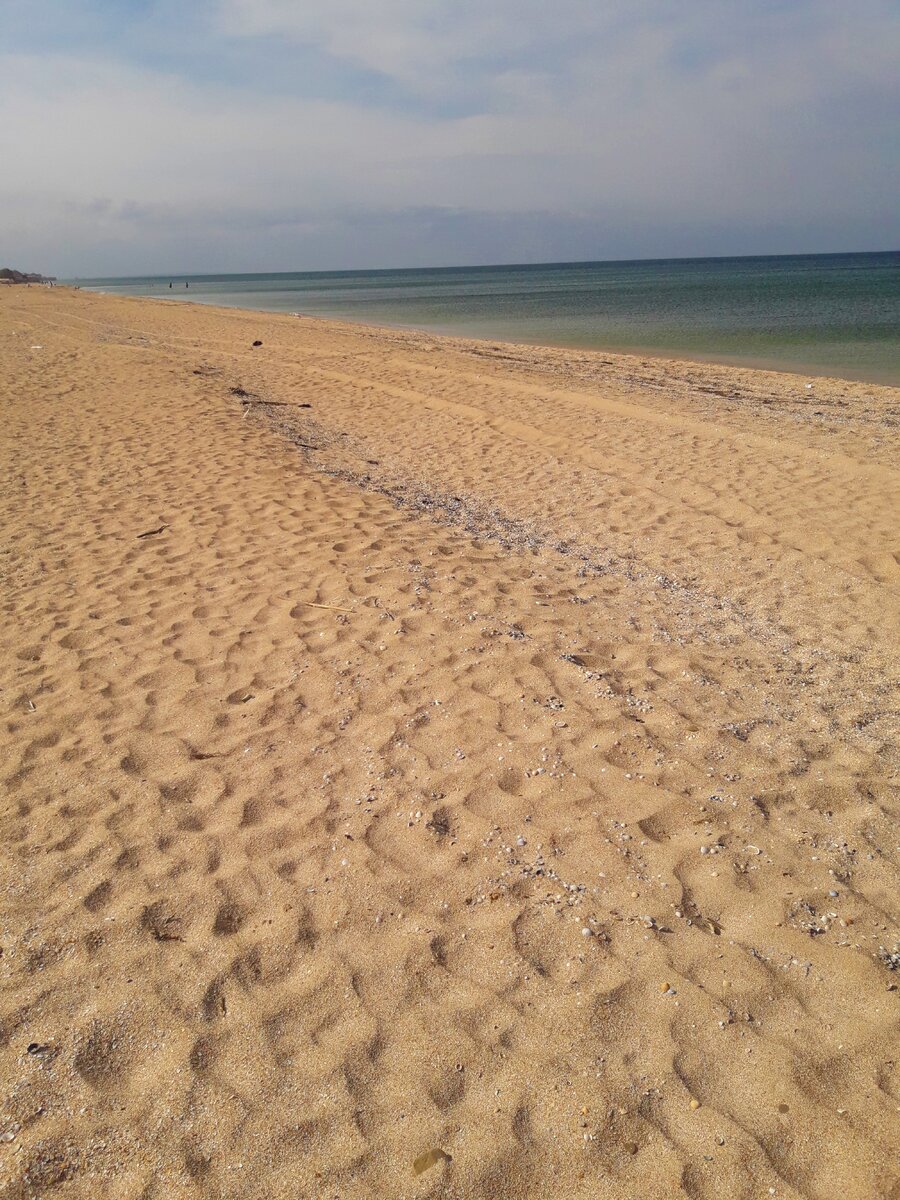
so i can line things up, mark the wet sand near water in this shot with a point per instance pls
(436, 768)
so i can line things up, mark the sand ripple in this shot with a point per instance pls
(476, 784)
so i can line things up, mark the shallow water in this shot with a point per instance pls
(826, 314)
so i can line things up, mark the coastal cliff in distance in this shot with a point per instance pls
(8, 275)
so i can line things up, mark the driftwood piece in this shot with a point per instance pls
(333, 607)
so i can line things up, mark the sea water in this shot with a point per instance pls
(836, 314)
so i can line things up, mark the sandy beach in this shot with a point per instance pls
(437, 768)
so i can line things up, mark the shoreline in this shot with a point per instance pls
(749, 364)
(432, 768)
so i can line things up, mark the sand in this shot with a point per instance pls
(435, 768)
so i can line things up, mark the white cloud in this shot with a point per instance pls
(413, 41)
(432, 43)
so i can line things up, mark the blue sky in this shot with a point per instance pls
(154, 136)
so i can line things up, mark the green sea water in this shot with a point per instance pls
(833, 314)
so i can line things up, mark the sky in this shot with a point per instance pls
(183, 136)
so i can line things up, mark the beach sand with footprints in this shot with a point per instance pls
(436, 768)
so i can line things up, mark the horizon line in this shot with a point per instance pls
(586, 262)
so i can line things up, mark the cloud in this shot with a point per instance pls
(616, 129)
(439, 43)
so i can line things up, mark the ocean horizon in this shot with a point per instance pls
(822, 314)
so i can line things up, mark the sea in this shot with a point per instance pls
(821, 314)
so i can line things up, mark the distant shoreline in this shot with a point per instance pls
(799, 368)
(835, 316)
